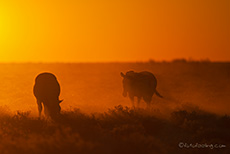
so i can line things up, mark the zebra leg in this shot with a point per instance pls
(46, 111)
(148, 100)
(132, 100)
(39, 108)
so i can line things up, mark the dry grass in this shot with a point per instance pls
(119, 130)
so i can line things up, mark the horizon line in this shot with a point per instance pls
(137, 61)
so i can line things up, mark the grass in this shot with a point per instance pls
(119, 130)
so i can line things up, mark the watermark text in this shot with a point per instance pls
(201, 145)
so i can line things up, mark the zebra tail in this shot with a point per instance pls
(158, 94)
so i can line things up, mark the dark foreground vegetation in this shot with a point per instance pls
(120, 130)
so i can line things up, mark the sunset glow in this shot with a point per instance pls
(114, 76)
(102, 31)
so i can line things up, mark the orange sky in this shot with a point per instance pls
(113, 30)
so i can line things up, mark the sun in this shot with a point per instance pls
(6, 34)
(4, 25)
(11, 30)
